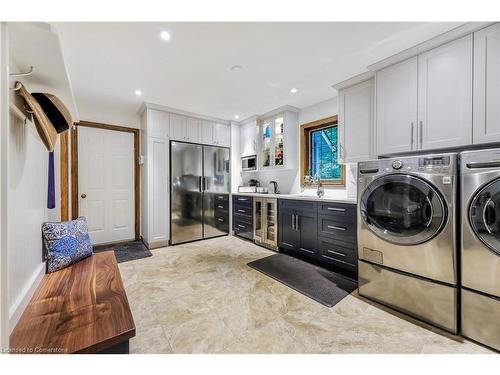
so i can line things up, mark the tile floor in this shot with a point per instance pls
(201, 297)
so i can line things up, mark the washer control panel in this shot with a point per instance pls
(397, 164)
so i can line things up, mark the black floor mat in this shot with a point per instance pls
(126, 251)
(323, 286)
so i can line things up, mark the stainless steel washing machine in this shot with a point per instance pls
(480, 246)
(407, 245)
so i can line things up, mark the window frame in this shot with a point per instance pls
(305, 149)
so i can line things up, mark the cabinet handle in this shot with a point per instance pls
(297, 222)
(286, 244)
(336, 209)
(306, 250)
(241, 211)
(421, 131)
(411, 146)
(220, 219)
(293, 221)
(220, 206)
(241, 226)
(242, 199)
(337, 228)
(337, 253)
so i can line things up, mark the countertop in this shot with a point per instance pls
(300, 197)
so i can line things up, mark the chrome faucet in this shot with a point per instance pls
(320, 191)
(275, 187)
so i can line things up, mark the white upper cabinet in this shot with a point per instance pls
(356, 122)
(397, 107)
(222, 134)
(158, 123)
(425, 102)
(248, 139)
(486, 119)
(178, 127)
(445, 95)
(193, 130)
(207, 132)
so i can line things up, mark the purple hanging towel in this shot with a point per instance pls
(51, 194)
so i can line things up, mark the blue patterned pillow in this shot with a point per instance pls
(66, 243)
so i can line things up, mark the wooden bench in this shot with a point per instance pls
(80, 309)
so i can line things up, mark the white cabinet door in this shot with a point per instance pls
(207, 132)
(178, 127)
(158, 182)
(193, 130)
(486, 113)
(222, 134)
(248, 145)
(445, 95)
(356, 122)
(396, 99)
(158, 123)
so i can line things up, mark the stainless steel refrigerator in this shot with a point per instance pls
(199, 191)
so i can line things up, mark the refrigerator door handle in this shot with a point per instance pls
(200, 179)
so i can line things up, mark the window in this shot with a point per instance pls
(319, 151)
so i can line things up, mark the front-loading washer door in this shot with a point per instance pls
(484, 215)
(403, 209)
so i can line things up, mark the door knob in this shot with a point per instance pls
(84, 195)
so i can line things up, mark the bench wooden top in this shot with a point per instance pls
(82, 308)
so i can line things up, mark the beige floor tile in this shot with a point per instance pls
(201, 297)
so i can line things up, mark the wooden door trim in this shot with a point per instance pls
(137, 168)
(63, 159)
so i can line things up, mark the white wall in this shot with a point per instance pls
(4, 120)
(91, 111)
(27, 162)
(319, 111)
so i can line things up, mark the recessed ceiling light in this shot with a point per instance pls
(138, 92)
(236, 68)
(236, 117)
(293, 91)
(165, 35)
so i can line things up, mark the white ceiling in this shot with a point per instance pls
(191, 72)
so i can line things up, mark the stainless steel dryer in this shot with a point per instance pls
(407, 237)
(480, 248)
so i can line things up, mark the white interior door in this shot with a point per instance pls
(106, 183)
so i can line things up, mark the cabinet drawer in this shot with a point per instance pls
(222, 222)
(242, 210)
(338, 210)
(289, 204)
(243, 229)
(331, 227)
(222, 205)
(337, 251)
(219, 198)
(242, 200)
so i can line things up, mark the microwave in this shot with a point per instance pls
(249, 163)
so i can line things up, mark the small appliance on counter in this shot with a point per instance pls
(247, 189)
(249, 163)
(262, 190)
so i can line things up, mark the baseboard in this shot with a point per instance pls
(18, 307)
(154, 245)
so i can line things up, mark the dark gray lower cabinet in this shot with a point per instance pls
(323, 231)
(298, 227)
(243, 216)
